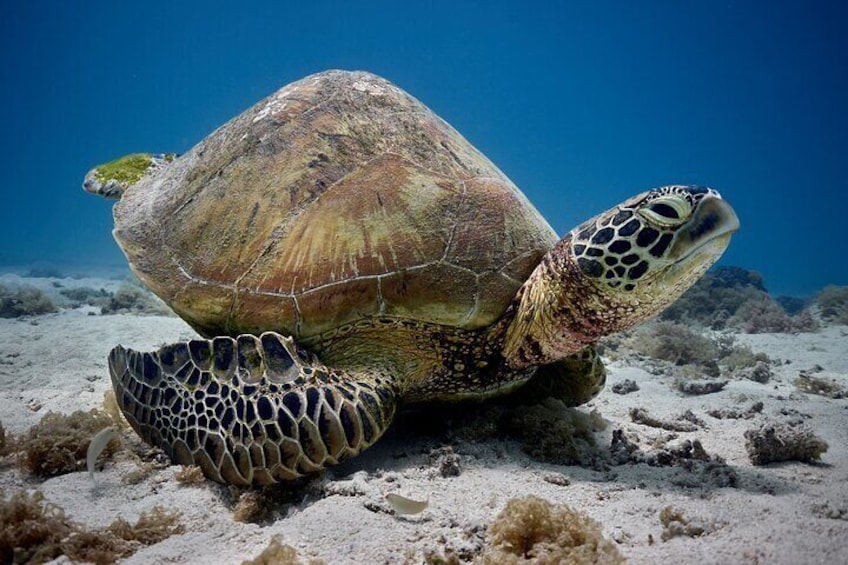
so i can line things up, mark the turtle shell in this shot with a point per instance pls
(338, 198)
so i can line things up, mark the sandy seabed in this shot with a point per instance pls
(787, 512)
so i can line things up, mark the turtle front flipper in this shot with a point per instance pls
(249, 410)
(575, 380)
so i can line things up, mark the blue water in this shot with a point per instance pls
(580, 105)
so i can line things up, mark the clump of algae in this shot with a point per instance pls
(278, 553)
(533, 530)
(58, 443)
(128, 169)
(35, 531)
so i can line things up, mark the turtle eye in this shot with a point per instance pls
(667, 211)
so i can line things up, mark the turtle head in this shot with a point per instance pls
(112, 179)
(620, 268)
(648, 250)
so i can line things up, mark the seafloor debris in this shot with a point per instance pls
(278, 553)
(676, 524)
(532, 530)
(404, 505)
(699, 387)
(683, 423)
(190, 475)
(698, 468)
(557, 479)
(4, 440)
(730, 414)
(760, 372)
(806, 382)
(446, 461)
(252, 506)
(625, 387)
(783, 441)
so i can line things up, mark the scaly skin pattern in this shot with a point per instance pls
(259, 410)
(618, 269)
(250, 410)
(403, 265)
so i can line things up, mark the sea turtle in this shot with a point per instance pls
(345, 251)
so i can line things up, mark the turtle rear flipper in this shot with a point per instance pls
(249, 410)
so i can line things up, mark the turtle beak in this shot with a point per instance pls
(91, 186)
(709, 229)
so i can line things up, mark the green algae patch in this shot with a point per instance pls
(126, 170)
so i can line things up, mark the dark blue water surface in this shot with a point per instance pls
(580, 105)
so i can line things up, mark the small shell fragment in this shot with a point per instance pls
(98, 443)
(403, 505)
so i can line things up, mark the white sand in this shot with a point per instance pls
(789, 513)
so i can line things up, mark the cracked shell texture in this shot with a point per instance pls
(338, 198)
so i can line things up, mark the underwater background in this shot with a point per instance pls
(581, 104)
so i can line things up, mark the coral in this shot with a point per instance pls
(792, 304)
(783, 441)
(532, 530)
(34, 531)
(737, 277)
(735, 357)
(716, 297)
(130, 299)
(26, 301)
(833, 304)
(699, 469)
(760, 373)
(735, 297)
(625, 387)
(278, 553)
(448, 463)
(58, 443)
(674, 343)
(84, 295)
(553, 433)
(766, 316)
(44, 272)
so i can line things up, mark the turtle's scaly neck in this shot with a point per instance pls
(556, 313)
